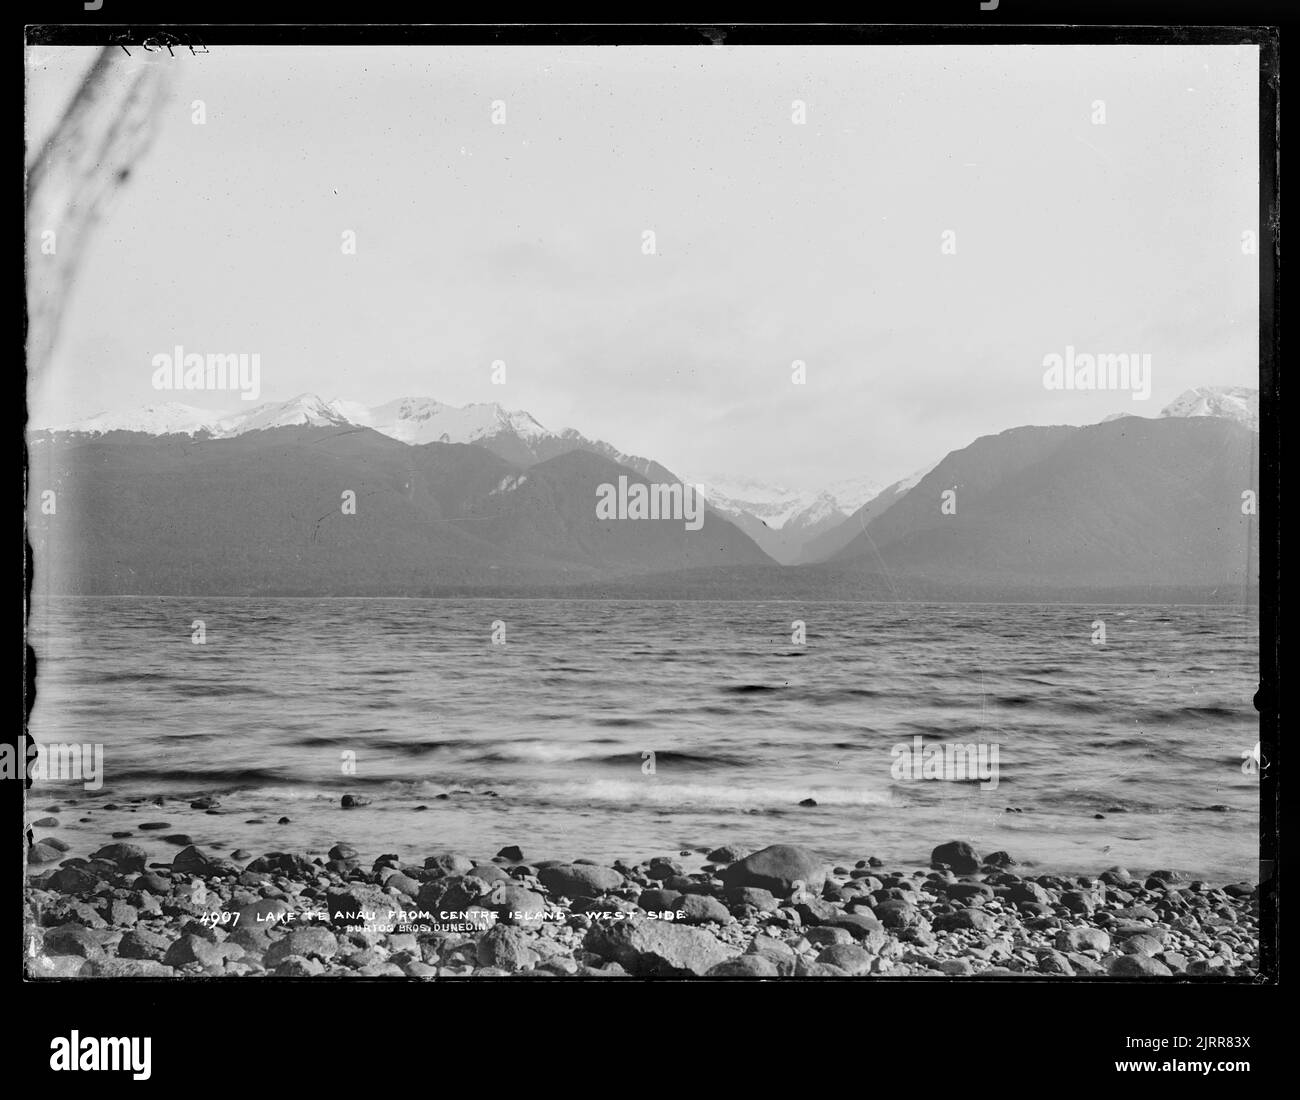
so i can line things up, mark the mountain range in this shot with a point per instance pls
(173, 500)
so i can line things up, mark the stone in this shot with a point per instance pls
(191, 950)
(1138, 966)
(896, 913)
(745, 966)
(958, 855)
(1141, 944)
(848, 957)
(343, 851)
(699, 909)
(126, 857)
(507, 948)
(728, 853)
(827, 936)
(764, 901)
(359, 904)
(198, 861)
(965, 918)
(1082, 939)
(511, 853)
(354, 801)
(449, 863)
(73, 939)
(306, 942)
(43, 852)
(579, 880)
(650, 948)
(58, 966)
(295, 966)
(141, 943)
(1000, 859)
(658, 900)
(778, 868)
(73, 880)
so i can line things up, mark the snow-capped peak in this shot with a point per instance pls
(1239, 403)
(165, 418)
(304, 410)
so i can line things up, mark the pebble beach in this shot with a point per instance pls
(139, 909)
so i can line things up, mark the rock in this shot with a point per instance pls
(958, 855)
(73, 939)
(449, 863)
(1054, 962)
(1000, 859)
(46, 823)
(72, 880)
(58, 966)
(661, 869)
(295, 966)
(778, 868)
(745, 966)
(1138, 966)
(808, 802)
(579, 880)
(305, 942)
(658, 900)
(343, 851)
(848, 957)
(1082, 939)
(289, 864)
(154, 826)
(207, 802)
(140, 943)
(191, 950)
(507, 947)
(489, 873)
(198, 861)
(896, 913)
(959, 892)
(126, 857)
(956, 968)
(516, 905)
(1141, 944)
(762, 900)
(353, 801)
(511, 853)
(777, 952)
(965, 918)
(728, 853)
(828, 936)
(700, 909)
(649, 948)
(42, 852)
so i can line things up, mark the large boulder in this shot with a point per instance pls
(126, 857)
(579, 880)
(958, 855)
(194, 860)
(652, 948)
(778, 868)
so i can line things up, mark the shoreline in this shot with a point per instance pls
(721, 912)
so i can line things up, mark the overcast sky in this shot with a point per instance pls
(775, 242)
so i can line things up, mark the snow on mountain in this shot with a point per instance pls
(304, 410)
(1239, 403)
(775, 505)
(167, 418)
(852, 493)
(424, 420)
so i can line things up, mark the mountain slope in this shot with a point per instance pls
(262, 512)
(1133, 501)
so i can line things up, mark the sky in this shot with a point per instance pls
(775, 242)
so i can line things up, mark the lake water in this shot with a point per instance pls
(544, 741)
